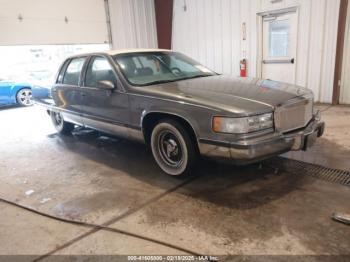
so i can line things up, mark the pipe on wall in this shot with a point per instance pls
(164, 21)
(340, 51)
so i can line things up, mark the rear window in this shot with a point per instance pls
(71, 77)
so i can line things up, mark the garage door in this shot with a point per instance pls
(37, 22)
(345, 85)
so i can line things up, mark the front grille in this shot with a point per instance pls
(293, 115)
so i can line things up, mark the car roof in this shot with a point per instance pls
(122, 51)
(136, 50)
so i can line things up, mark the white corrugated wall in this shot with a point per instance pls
(133, 24)
(210, 31)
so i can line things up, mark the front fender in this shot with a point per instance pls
(197, 116)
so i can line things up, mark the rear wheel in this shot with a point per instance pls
(24, 97)
(172, 148)
(61, 126)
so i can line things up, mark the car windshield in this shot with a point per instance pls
(148, 68)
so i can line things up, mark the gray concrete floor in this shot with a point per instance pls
(221, 210)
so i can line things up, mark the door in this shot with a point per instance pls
(104, 109)
(279, 47)
(67, 92)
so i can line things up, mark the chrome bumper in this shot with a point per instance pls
(254, 150)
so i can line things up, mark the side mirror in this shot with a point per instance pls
(106, 84)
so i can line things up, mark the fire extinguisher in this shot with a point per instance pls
(243, 68)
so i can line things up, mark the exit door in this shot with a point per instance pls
(279, 47)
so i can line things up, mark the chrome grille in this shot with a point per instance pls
(293, 115)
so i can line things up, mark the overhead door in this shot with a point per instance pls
(37, 22)
(345, 82)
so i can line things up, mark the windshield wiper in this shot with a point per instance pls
(174, 80)
(193, 77)
(161, 82)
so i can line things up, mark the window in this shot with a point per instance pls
(71, 77)
(61, 74)
(99, 69)
(279, 38)
(159, 67)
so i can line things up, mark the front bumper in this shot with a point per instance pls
(256, 149)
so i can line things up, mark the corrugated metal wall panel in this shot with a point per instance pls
(210, 31)
(318, 11)
(133, 24)
(304, 26)
(329, 51)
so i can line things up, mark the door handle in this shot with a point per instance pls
(83, 94)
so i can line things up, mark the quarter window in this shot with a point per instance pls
(99, 69)
(71, 77)
(61, 74)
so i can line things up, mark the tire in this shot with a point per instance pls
(172, 148)
(61, 126)
(24, 97)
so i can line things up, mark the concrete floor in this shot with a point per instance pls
(220, 210)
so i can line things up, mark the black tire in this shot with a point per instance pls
(172, 148)
(61, 126)
(24, 97)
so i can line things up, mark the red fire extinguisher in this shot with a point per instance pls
(243, 68)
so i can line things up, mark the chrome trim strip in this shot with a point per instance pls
(114, 128)
(174, 101)
(119, 130)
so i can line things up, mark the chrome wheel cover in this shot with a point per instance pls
(24, 97)
(170, 149)
(57, 119)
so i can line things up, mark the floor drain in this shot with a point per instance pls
(298, 167)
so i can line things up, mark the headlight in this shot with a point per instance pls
(242, 125)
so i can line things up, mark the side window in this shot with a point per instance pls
(99, 69)
(71, 77)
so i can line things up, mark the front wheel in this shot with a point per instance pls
(172, 148)
(61, 126)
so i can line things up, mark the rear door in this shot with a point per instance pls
(106, 110)
(67, 93)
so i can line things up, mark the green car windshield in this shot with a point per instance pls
(149, 68)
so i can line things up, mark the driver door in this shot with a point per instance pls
(102, 108)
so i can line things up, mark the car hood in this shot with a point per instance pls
(239, 95)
